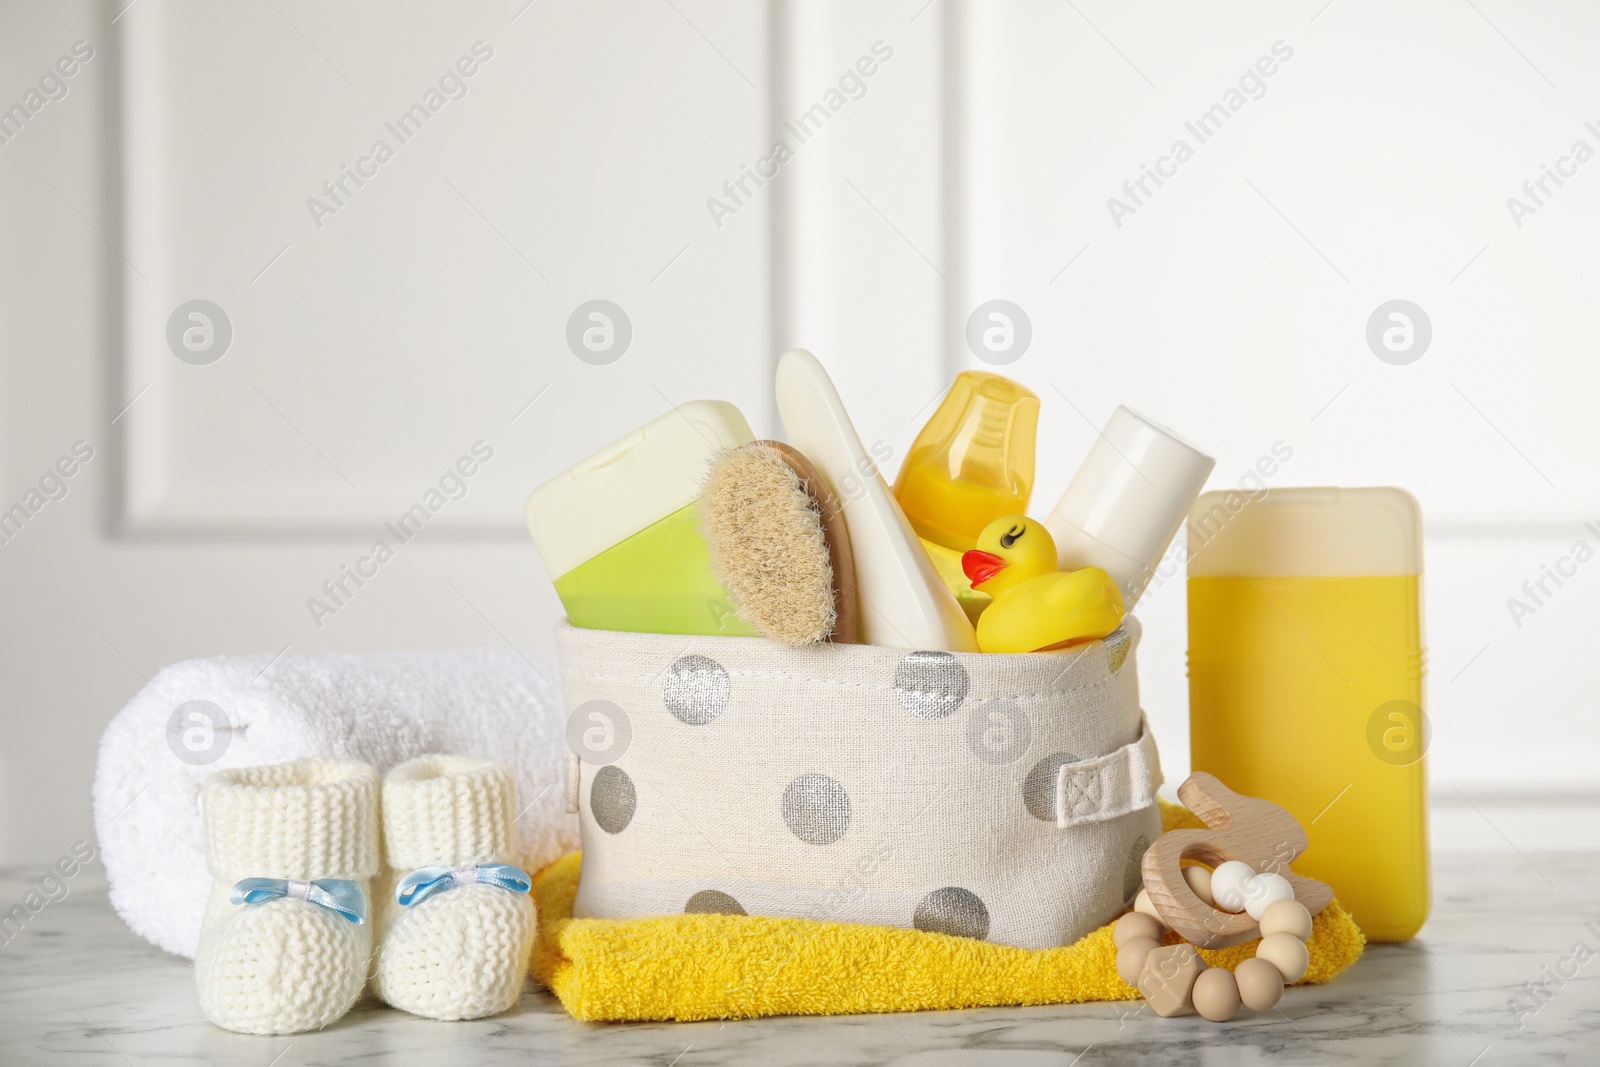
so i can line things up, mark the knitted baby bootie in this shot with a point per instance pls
(455, 923)
(286, 942)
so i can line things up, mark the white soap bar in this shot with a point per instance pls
(630, 484)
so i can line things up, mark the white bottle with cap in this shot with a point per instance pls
(1127, 501)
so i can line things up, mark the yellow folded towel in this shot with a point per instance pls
(692, 967)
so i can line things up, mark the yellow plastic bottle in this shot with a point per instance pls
(972, 462)
(1305, 681)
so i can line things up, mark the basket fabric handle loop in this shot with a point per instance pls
(1110, 786)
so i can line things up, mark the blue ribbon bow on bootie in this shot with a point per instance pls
(336, 894)
(424, 882)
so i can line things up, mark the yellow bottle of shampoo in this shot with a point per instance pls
(1305, 681)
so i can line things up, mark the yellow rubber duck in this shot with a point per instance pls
(1036, 607)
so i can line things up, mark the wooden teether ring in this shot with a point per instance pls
(1248, 829)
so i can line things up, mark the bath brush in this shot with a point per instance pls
(779, 544)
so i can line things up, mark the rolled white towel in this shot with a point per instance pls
(383, 709)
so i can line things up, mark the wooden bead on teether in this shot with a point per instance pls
(1287, 953)
(1168, 978)
(1136, 924)
(1260, 984)
(1199, 879)
(1286, 917)
(1131, 956)
(1216, 995)
(1267, 889)
(1230, 885)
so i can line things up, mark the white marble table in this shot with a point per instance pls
(76, 987)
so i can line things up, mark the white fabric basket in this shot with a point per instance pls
(1005, 797)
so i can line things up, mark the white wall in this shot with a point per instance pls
(369, 352)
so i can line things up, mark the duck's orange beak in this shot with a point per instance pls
(979, 567)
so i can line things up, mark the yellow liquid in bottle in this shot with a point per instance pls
(931, 491)
(973, 461)
(1308, 691)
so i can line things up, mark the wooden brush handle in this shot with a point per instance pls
(840, 557)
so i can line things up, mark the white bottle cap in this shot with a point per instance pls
(1127, 500)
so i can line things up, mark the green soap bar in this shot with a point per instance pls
(658, 581)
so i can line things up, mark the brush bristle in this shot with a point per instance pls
(767, 545)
